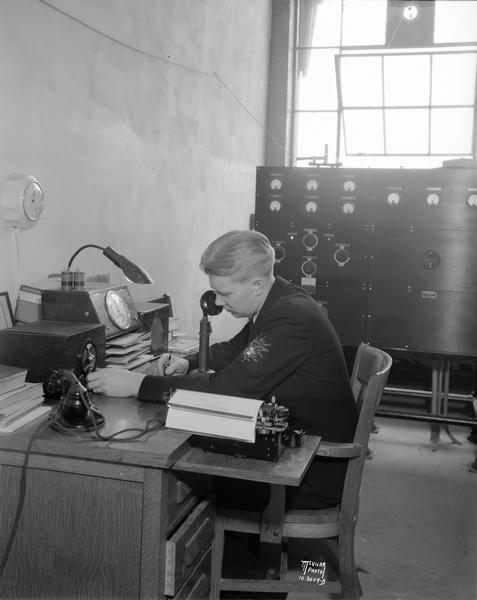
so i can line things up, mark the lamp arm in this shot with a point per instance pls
(82, 248)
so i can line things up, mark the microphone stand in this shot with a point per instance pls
(209, 307)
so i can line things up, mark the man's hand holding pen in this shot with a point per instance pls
(168, 364)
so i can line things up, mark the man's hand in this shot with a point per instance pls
(114, 382)
(168, 364)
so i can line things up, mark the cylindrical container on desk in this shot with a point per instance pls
(67, 279)
(79, 278)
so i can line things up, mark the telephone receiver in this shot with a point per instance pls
(209, 308)
(208, 305)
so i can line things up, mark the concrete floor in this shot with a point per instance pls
(417, 532)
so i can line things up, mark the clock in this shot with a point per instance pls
(21, 201)
(119, 310)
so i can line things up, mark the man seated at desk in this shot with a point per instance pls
(288, 349)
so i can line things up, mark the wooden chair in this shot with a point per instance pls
(368, 378)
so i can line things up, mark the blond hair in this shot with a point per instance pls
(240, 255)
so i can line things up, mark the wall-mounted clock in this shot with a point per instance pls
(22, 201)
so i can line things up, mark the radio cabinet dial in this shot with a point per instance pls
(275, 205)
(308, 268)
(341, 256)
(430, 260)
(433, 199)
(310, 241)
(311, 206)
(348, 208)
(89, 357)
(312, 185)
(393, 198)
(280, 253)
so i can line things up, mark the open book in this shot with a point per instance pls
(213, 414)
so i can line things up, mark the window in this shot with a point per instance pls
(385, 83)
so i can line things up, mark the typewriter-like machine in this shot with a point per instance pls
(272, 432)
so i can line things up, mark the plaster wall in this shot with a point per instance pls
(143, 122)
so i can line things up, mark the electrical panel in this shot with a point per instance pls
(389, 252)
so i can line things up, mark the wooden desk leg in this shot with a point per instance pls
(437, 368)
(272, 518)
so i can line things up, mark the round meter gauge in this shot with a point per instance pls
(312, 185)
(393, 198)
(433, 199)
(348, 208)
(311, 206)
(118, 310)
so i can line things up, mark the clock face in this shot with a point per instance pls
(22, 201)
(410, 12)
(33, 201)
(118, 310)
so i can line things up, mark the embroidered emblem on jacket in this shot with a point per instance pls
(256, 349)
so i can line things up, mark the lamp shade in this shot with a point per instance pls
(132, 271)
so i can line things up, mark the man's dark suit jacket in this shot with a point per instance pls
(291, 352)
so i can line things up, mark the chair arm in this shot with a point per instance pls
(339, 450)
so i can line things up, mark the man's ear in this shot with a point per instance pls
(258, 285)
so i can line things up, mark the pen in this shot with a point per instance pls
(168, 362)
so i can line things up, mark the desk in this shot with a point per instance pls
(99, 517)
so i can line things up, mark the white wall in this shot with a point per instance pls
(152, 155)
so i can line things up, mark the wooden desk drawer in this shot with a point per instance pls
(184, 492)
(188, 544)
(197, 587)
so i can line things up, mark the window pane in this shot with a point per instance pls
(453, 78)
(407, 130)
(326, 31)
(317, 89)
(364, 131)
(406, 80)
(313, 131)
(455, 21)
(361, 81)
(364, 23)
(451, 130)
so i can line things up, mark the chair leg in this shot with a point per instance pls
(284, 558)
(217, 557)
(350, 583)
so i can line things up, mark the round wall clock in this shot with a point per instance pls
(22, 201)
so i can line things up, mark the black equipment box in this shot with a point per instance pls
(390, 251)
(44, 346)
(268, 446)
(110, 305)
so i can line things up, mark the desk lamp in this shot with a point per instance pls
(209, 307)
(134, 273)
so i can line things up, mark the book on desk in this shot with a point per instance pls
(22, 403)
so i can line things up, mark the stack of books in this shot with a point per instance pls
(20, 402)
(129, 351)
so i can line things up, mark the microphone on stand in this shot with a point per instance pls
(209, 307)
